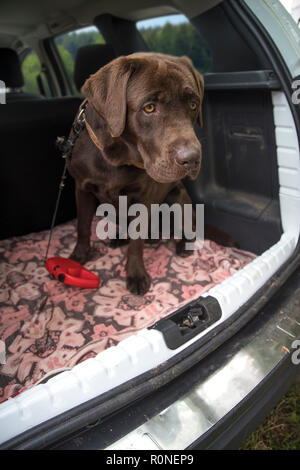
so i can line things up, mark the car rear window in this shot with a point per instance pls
(68, 44)
(175, 35)
(32, 69)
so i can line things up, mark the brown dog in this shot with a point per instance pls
(141, 111)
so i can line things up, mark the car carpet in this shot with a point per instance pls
(76, 324)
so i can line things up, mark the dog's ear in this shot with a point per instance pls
(199, 79)
(106, 90)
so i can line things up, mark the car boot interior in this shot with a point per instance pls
(238, 183)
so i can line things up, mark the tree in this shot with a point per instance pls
(73, 41)
(67, 60)
(178, 40)
(31, 68)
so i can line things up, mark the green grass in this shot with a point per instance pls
(281, 429)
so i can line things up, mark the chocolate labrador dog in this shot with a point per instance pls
(138, 141)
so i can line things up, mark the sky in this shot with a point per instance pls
(174, 19)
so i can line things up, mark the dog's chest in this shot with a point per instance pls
(122, 183)
(134, 184)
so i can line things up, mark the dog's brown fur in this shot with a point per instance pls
(163, 141)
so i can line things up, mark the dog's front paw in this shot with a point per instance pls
(138, 283)
(80, 254)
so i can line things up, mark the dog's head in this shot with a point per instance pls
(153, 101)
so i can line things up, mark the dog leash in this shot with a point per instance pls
(66, 147)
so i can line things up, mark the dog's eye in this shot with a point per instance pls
(193, 105)
(149, 108)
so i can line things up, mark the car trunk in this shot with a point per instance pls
(107, 336)
(66, 346)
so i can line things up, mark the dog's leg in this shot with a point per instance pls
(219, 236)
(181, 245)
(138, 280)
(180, 195)
(86, 204)
(118, 242)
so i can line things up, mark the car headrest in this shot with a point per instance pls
(89, 59)
(10, 68)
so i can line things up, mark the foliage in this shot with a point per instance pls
(73, 41)
(178, 40)
(31, 68)
(281, 429)
(67, 60)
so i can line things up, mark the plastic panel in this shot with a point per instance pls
(258, 79)
(239, 180)
(288, 164)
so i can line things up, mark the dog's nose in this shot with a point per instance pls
(189, 158)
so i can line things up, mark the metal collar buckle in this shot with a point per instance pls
(79, 122)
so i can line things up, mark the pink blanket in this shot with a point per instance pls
(76, 324)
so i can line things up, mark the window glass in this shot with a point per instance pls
(31, 68)
(68, 44)
(175, 35)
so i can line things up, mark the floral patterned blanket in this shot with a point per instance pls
(76, 324)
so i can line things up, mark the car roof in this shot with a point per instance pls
(21, 21)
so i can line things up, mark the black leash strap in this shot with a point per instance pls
(61, 187)
(66, 147)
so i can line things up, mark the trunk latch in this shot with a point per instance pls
(189, 321)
